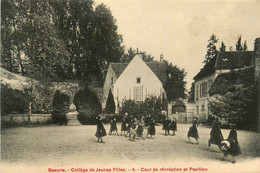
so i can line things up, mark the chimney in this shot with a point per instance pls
(257, 57)
(161, 58)
(137, 50)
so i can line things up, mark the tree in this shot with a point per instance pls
(223, 47)
(110, 104)
(211, 48)
(237, 101)
(238, 44)
(175, 86)
(60, 106)
(245, 46)
(87, 105)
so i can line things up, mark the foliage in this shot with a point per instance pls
(60, 106)
(110, 104)
(191, 93)
(238, 44)
(175, 86)
(129, 55)
(223, 47)
(238, 103)
(87, 105)
(211, 48)
(56, 40)
(13, 100)
(152, 105)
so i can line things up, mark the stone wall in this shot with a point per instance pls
(22, 119)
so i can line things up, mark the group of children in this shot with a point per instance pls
(169, 125)
(131, 127)
(229, 146)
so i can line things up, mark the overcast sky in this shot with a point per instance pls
(180, 30)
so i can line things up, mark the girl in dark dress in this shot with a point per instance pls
(123, 126)
(140, 129)
(216, 136)
(132, 132)
(231, 146)
(101, 132)
(193, 131)
(151, 129)
(113, 127)
(166, 126)
(173, 126)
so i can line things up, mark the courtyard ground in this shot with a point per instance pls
(36, 149)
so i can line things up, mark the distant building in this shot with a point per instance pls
(212, 74)
(134, 81)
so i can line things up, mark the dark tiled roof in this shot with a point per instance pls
(226, 60)
(159, 69)
(225, 81)
(118, 68)
(208, 69)
(234, 60)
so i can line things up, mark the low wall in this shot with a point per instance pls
(22, 119)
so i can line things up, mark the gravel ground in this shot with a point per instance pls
(38, 148)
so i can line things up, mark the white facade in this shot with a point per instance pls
(136, 83)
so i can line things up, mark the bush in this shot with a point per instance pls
(152, 105)
(87, 105)
(60, 106)
(13, 100)
(110, 104)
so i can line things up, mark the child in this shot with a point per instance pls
(140, 129)
(193, 131)
(173, 126)
(123, 126)
(113, 127)
(231, 146)
(216, 136)
(151, 129)
(166, 126)
(101, 132)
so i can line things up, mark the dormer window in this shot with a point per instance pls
(138, 80)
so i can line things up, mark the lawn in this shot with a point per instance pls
(27, 149)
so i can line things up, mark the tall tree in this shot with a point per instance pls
(211, 48)
(245, 46)
(175, 86)
(223, 47)
(238, 44)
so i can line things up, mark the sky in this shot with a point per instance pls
(180, 30)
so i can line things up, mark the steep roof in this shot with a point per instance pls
(234, 60)
(118, 68)
(159, 69)
(225, 81)
(226, 60)
(208, 69)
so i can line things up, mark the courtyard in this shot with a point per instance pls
(36, 149)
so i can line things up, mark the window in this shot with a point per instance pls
(138, 80)
(204, 89)
(202, 107)
(197, 92)
(197, 109)
(138, 93)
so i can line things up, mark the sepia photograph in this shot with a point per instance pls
(134, 86)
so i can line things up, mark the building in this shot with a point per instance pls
(215, 70)
(134, 81)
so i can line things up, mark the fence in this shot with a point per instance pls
(187, 117)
